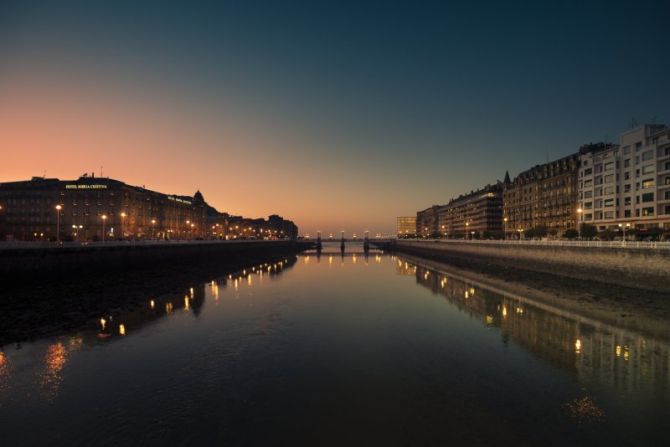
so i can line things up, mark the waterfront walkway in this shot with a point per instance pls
(664, 245)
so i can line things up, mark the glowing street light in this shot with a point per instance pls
(623, 227)
(123, 231)
(579, 219)
(505, 227)
(59, 207)
(104, 219)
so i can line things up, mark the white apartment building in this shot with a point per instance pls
(628, 183)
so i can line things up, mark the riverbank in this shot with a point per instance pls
(50, 303)
(641, 310)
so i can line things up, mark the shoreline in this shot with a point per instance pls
(32, 310)
(620, 307)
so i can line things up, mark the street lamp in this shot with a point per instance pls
(153, 228)
(579, 220)
(104, 219)
(58, 208)
(623, 228)
(467, 224)
(123, 231)
(505, 227)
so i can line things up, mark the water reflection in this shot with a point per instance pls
(599, 354)
(47, 374)
(450, 361)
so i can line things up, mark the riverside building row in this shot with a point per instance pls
(91, 208)
(610, 186)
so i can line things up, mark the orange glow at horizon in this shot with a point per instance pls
(167, 144)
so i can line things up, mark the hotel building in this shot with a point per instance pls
(91, 208)
(628, 184)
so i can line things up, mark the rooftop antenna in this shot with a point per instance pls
(653, 119)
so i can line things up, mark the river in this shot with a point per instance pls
(337, 349)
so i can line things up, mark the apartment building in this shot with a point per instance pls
(627, 184)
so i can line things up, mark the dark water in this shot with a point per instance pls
(338, 350)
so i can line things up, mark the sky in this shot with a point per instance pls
(338, 115)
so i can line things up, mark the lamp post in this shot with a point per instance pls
(467, 224)
(505, 227)
(104, 220)
(579, 221)
(153, 229)
(123, 231)
(623, 228)
(58, 208)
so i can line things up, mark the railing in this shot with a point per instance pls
(115, 243)
(660, 245)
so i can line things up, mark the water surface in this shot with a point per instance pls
(337, 350)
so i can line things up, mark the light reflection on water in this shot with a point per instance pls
(332, 348)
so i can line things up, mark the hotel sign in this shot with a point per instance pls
(75, 186)
(177, 199)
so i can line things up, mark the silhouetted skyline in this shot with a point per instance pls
(339, 116)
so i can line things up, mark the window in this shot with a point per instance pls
(609, 214)
(626, 163)
(667, 195)
(626, 175)
(609, 166)
(598, 192)
(609, 190)
(598, 203)
(626, 187)
(648, 169)
(626, 150)
(610, 202)
(646, 156)
(667, 166)
(588, 205)
(648, 197)
(638, 145)
(667, 209)
(588, 171)
(598, 168)
(649, 211)
(609, 178)
(588, 183)
(626, 213)
(648, 183)
(588, 194)
(598, 180)
(626, 201)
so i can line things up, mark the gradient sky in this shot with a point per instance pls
(337, 115)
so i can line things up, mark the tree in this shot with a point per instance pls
(607, 235)
(588, 231)
(541, 231)
(571, 233)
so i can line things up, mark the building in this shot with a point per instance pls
(629, 184)
(226, 226)
(477, 212)
(544, 196)
(406, 226)
(91, 208)
(427, 222)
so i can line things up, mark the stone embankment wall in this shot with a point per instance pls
(70, 263)
(643, 268)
